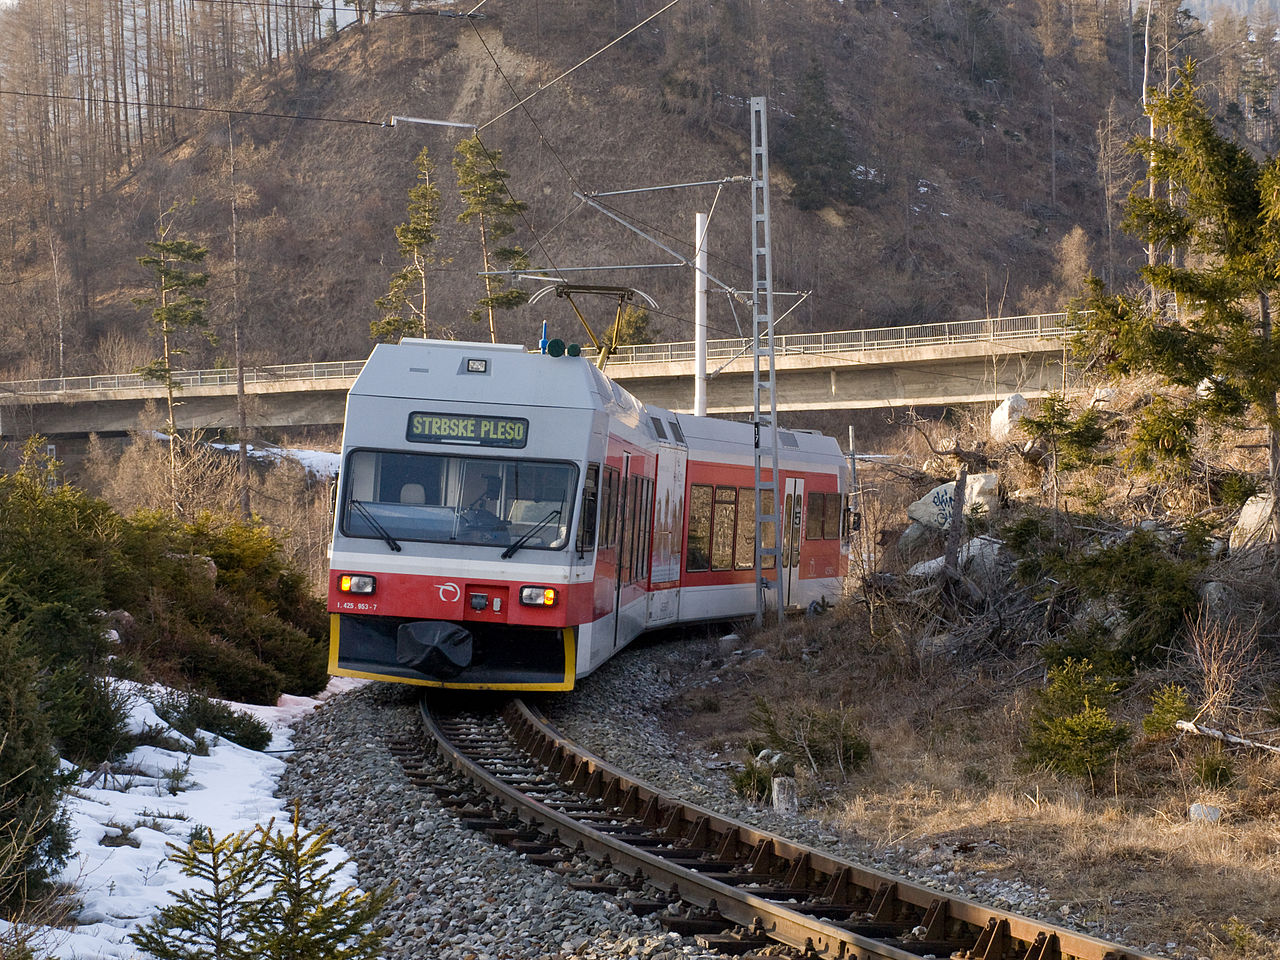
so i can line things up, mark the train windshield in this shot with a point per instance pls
(458, 499)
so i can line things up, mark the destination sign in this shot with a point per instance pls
(464, 428)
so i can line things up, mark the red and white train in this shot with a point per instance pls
(509, 520)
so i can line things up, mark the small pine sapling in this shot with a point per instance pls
(304, 918)
(1071, 730)
(264, 895)
(210, 922)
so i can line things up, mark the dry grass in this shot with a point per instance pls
(948, 787)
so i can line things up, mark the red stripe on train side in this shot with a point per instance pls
(451, 598)
(818, 558)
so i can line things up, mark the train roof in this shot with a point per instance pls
(456, 370)
(502, 373)
(712, 430)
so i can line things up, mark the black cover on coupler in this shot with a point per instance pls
(435, 647)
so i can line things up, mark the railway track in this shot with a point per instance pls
(735, 888)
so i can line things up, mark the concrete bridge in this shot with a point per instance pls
(926, 365)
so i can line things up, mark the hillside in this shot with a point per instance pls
(965, 151)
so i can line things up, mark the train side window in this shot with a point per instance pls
(723, 522)
(744, 550)
(628, 536)
(590, 506)
(626, 507)
(609, 515)
(637, 527)
(770, 531)
(698, 552)
(831, 520)
(646, 529)
(813, 519)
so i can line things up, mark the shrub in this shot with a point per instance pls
(252, 567)
(823, 738)
(301, 662)
(1151, 582)
(1235, 488)
(101, 730)
(55, 544)
(1215, 770)
(189, 712)
(265, 894)
(754, 782)
(231, 671)
(34, 837)
(1071, 730)
(214, 594)
(1169, 704)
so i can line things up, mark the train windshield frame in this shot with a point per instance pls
(458, 498)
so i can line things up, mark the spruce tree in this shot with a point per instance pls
(304, 917)
(175, 311)
(265, 895)
(488, 202)
(214, 921)
(1211, 214)
(404, 307)
(1071, 440)
(34, 837)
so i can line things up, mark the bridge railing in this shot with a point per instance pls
(1033, 326)
(221, 376)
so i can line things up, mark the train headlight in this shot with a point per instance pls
(538, 596)
(357, 583)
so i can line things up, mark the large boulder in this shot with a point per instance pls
(981, 494)
(1253, 527)
(980, 558)
(1219, 602)
(1005, 417)
(916, 536)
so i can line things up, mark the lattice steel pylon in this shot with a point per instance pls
(763, 385)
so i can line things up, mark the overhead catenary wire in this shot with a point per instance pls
(319, 7)
(161, 105)
(538, 238)
(551, 83)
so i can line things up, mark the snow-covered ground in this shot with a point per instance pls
(318, 462)
(161, 800)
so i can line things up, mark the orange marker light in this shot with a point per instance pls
(538, 596)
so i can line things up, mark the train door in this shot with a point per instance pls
(792, 534)
(668, 528)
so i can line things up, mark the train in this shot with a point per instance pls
(509, 520)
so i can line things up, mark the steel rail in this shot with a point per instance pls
(994, 934)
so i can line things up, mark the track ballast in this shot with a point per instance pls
(736, 888)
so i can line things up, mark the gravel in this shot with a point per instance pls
(460, 896)
(457, 895)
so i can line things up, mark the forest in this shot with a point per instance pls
(933, 160)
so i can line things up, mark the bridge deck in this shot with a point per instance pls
(927, 364)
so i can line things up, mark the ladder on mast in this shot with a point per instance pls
(763, 385)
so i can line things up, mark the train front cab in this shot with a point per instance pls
(456, 606)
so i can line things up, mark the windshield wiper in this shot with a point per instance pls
(510, 552)
(378, 528)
